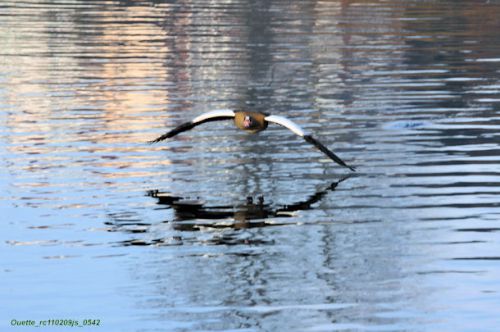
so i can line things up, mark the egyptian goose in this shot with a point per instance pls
(252, 122)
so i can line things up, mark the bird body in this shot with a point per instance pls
(252, 122)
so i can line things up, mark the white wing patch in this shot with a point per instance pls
(286, 123)
(213, 114)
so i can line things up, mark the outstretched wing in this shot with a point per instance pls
(297, 130)
(286, 123)
(325, 150)
(217, 115)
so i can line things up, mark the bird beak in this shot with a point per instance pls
(247, 122)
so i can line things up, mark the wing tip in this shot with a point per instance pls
(153, 141)
(161, 138)
(329, 153)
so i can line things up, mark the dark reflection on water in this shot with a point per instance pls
(195, 209)
(195, 215)
(408, 91)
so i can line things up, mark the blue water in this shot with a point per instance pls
(219, 230)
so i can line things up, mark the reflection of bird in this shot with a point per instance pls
(243, 214)
(252, 122)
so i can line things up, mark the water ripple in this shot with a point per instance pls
(405, 91)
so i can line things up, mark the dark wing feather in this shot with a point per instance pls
(187, 126)
(325, 150)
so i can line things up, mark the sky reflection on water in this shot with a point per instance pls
(407, 92)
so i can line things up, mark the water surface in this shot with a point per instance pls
(253, 233)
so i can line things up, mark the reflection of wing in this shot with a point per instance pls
(306, 204)
(297, 130)
(217, 115)
(186, 210)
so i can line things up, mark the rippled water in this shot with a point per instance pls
(220, 230)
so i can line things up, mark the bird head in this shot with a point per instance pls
(247, 121)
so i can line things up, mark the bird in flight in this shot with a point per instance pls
(252, 122)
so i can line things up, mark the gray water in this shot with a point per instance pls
(406, 91)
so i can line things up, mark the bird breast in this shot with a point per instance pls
(258, 123)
